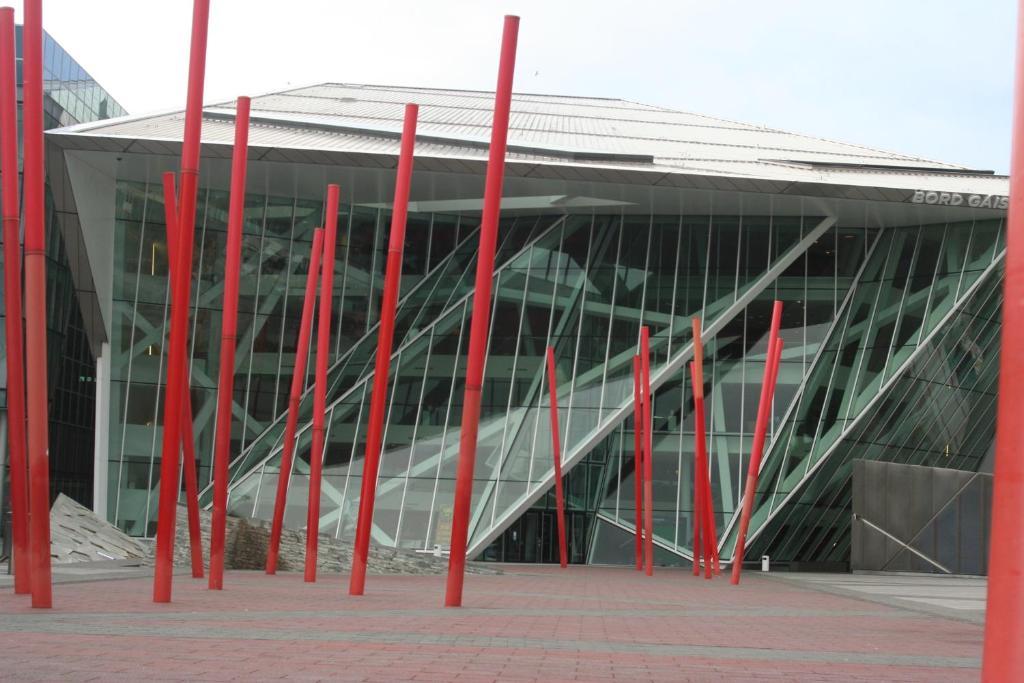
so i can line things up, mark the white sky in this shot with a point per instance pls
(932, 78)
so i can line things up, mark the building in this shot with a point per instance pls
(70, 96)
(615, 215)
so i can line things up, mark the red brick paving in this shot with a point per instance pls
(529, 624)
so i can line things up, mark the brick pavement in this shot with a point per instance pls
(529, 624)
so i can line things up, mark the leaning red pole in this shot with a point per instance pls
(228, 342)
(481, 315)
(700, 464)
(638, 464)
(298, 382)
(702, 482)
(178, 342)
(1003, 658)
(35, 305)
(323, 345)
(698, 517)
(187, 437)
(556, 450)
(12, 303)
(757, 447)
(648, 443)
(389, 302)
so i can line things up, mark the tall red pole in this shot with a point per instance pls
(757, 447)
(187, 437)
(698, 498)
(707, 507)
(1003, 658)
(298, 382)
(556, 450)
(648, 440)
(392, 278)
(638, 463)
(12, 303)
(178, 342)
(481, 315)
(35, 305)
(323, 345)
(228, 342)
(702, 482)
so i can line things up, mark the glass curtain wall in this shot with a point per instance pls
(915, 291)
(275, 255)
(583, 285)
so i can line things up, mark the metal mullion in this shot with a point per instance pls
(707, 268)
(967, 257)
(931, 289)
(378, 229)
(391, 408)
(444, 430)
(611, 319)
(284, 314)
(647, 276)
(159, 385)
(252, 338)
(259, 487)
(743, 401)
(131, 357)
(675, 286)
(679, 465)
(495, 295)
(851, 397)
(351, 459)
(512, 383)
(903, 300)
(344, 284)
(415, 432)
(551, 323)
(579, 331)
(739, 251)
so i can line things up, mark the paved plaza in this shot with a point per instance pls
(531, 623)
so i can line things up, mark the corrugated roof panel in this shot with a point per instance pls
(342, 118)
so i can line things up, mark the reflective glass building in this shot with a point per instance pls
(615, 215)
(70, 96)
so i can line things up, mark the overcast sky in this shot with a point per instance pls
(931, 78)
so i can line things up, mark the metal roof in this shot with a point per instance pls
(316, 123)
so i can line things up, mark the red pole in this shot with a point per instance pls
(178, 342)
(648, 422)
(298, 382)
(481, 314)
(228, 342)
(35, 305)
(1003, 658)
(323, 345)
(698, 517)
(392, 278)
(638, 463)
(707, 507)
(12, 302)
(556, 448)
(757, 447)
(188, 439)
(700, 438)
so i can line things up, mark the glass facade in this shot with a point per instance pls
(70, 96)
(865, 308)
(890, 323)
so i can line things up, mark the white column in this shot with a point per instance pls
(101, 447)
